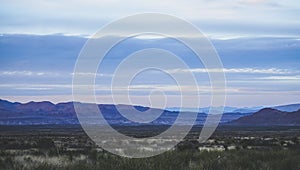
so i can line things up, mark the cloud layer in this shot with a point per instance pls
(250, 17)
(42, 68)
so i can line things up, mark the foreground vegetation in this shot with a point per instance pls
(65, 149)
(237, 159)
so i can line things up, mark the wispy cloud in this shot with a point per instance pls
(47, 74)
(33, 88)
(235, 70)
(280, 78)
(28, 73)
(21, 73)
(194, 70)
(120, 89)
(91, 74)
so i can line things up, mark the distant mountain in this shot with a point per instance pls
(269, 117)
(288, 108)
(227, 109)
(248, 109)
(44, 108)
(36, 113)
(63, 113)
(31, 113)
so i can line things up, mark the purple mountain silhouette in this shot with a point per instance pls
(269, 116)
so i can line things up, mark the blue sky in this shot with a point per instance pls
(258, 42)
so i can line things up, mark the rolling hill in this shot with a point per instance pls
(269, 117)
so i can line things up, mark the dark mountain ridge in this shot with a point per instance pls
(45, 112)
(44, 108)
(269, 117)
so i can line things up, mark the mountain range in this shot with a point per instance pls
(33, 113)
(228, 109)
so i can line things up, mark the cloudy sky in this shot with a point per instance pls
(217, 17)
(258, 42)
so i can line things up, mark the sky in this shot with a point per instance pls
(258, 42)
(216, 17)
